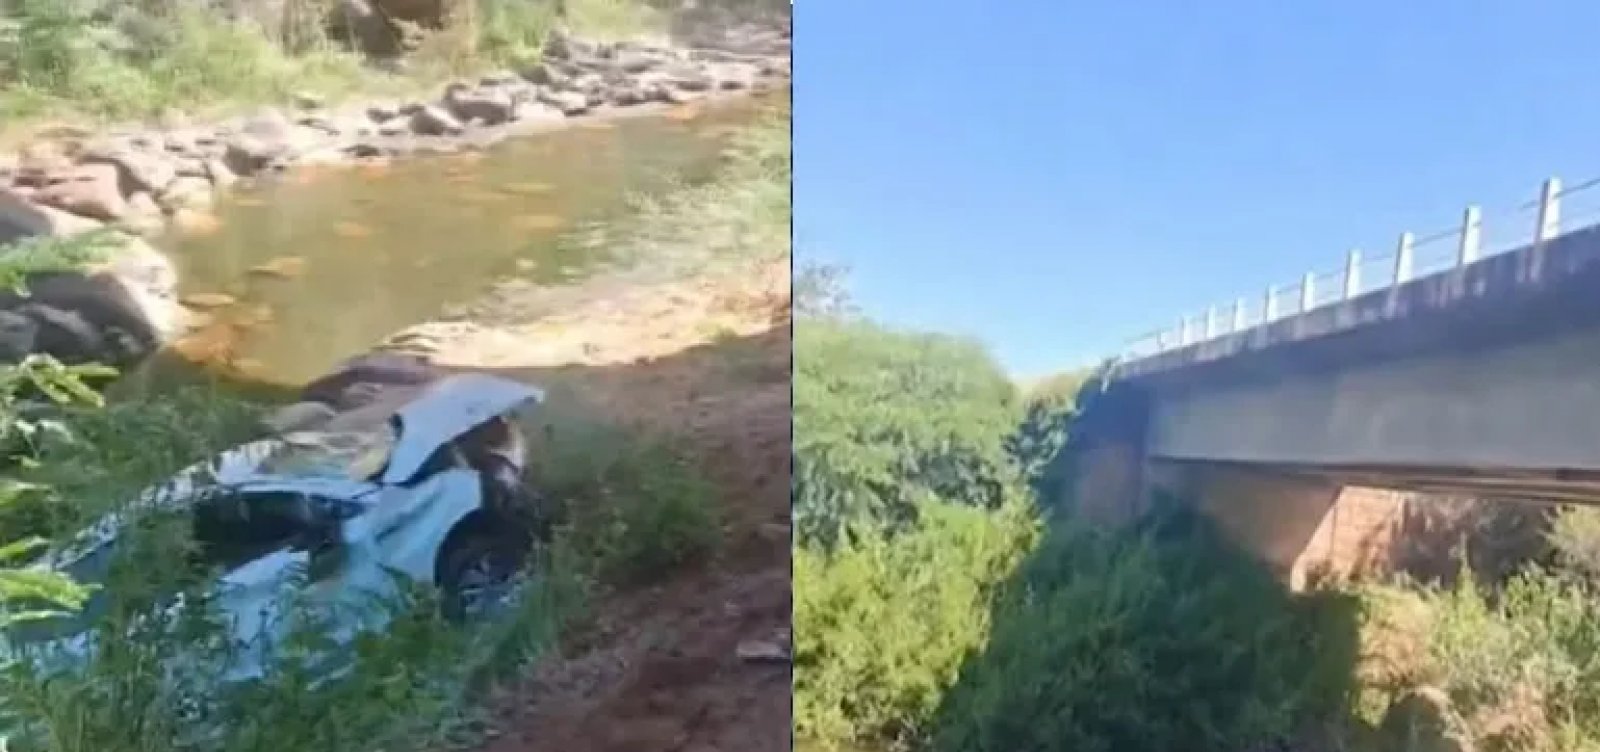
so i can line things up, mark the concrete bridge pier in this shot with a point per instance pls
(1300, 525)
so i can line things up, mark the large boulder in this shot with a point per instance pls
(93, 190)
(114, 311)
(266, 138)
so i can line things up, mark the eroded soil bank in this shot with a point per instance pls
(694, 662)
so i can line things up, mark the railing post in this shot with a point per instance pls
(1471, 236)
(1238, 316)
(1269, 307)
(1183, 331)
(1211, 322)
(1308, 291)
(1403, 261)
(1549, 211)
(1352, 274)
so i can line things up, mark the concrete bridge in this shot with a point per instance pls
(1480, 378)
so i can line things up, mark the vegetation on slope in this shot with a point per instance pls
(934, 608)
(635, 510)
(112, 60)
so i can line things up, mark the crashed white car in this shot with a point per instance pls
(435, 496)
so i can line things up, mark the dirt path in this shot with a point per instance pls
(706, 362)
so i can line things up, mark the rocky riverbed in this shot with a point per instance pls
(139, 180)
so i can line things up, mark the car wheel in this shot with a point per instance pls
(478, 576)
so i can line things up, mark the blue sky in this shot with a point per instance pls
(1056, 177)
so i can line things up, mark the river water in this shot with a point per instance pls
(300, 272)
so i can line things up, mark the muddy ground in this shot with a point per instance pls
(706, 362)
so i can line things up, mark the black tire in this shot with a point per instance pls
(477, 573)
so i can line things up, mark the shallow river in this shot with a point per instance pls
(308, 269)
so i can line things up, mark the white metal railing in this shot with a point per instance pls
(1412, 257)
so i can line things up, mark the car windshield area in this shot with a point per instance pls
(353, 455)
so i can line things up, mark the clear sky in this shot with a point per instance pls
(1056, 176)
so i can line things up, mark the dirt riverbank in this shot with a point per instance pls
(705, 362)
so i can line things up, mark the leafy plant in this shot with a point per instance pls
(1149, 640)
(882, 419)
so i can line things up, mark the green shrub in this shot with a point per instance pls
(882, 626)
(635, 509)
(1159, 640)
(882, 419)
(1520, 664)
(1575, 538)
(1048, 409)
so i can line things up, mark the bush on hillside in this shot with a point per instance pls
(884, 419)
(881, 627)
(1157, 640)
(1520, 663)
(1036, 444)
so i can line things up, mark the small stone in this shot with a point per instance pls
(383, 111)
(307, 100)
(205, 301)
(283, 267)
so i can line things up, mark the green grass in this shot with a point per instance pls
(61, 61)
(43, 254)
(633, 508)
(742, 214)
(418, 684)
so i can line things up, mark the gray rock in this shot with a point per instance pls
(691, 79)
(381, 112)
(628, 95)
(114, 312)
(568, 102)
(91, 190)
(20, 218)
(18, 335)
(634, 62)
(492, 106)
(546, 74)
(38, 162)
(263, 140)
(432, 120)
(500, 78)
(192, 167)
(398, 125)
(536, 112)
(139, 170)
